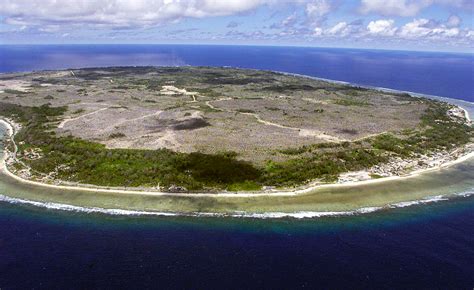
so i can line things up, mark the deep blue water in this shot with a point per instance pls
(443, 74)
(429, 246)
(421, 247)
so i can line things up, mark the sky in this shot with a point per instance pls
(430, 25)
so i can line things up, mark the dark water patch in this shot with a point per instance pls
(424, 247)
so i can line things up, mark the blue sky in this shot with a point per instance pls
(439, 25)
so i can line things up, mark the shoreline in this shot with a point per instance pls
(10, 125)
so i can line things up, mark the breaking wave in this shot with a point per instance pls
(240, 214)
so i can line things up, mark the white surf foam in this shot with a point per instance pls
(417, 202)
(465, 193)
(240, 214)
(307, 214)
(73, 208)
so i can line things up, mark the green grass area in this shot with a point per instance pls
(92, 163)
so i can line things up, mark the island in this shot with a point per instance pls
(193, 130)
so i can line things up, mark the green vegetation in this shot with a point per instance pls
(244, 186)
(245, 111)
(92, 163)
(207, 109)
(326, 166)
(326, 160)
(15, 92)
(78, 111)
(222, 79)
(285, 88)
(116, 135)
(272, 108)
(440, 132)
(351, 102)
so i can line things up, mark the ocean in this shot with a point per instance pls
(426, 246)
(442, 74)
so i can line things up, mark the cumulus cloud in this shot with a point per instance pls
(382, 27)
(416, 28)
(424, 28)
(118, 13)
(299, 20)
(345, 30)
(421, 29)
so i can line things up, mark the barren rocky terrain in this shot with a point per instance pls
(211, 110)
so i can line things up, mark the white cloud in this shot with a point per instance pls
(416, 28)
(445, 32)
(118, 13)
(394, 7)
(382, 27)
(453, 21)
(318, 8)
(318, 31)
(317, 11)
(340, 29)
(307, 18)
(424, 28)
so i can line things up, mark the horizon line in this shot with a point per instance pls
(470, 52)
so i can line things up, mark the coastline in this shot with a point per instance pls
(10, 126)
